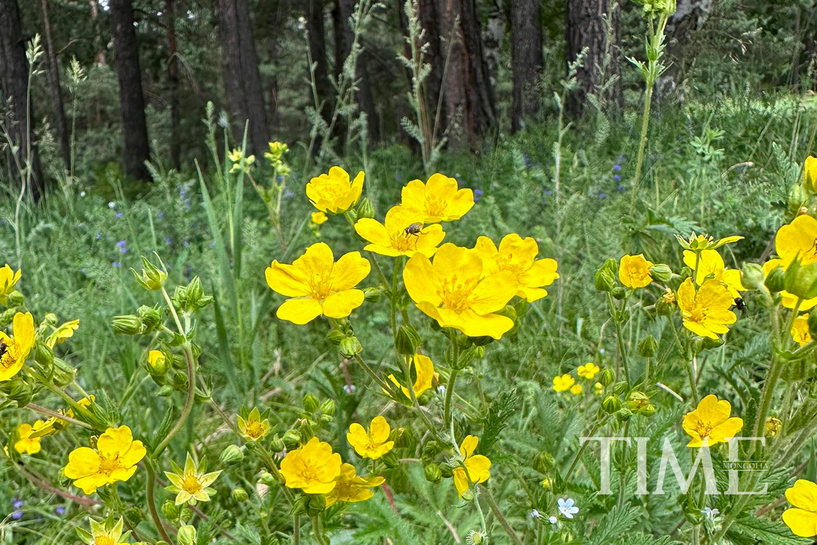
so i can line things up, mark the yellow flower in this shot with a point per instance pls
(318, 285)
(810, 174)
(424, 370)
(8, 279)
(312, 468)
(453, 291)
(333, 192)
(240, 162)
(710, 422)
(14, 350)
(705, 242)
(319, 218)
(477, 467)
(28, 436)
(253, 427)
(788, 300)
(563, 383)
(517, 255)
(108, 533)
(589, 370)
(157, 361)
(402, 234)
(191, 484)
(65, 331)
(797, 240)
(351, 488)
(711, 265)
(634, 271)
(773, 426)
(800, 330)
(438, 199)
(598, 388)
(576, 389)
(114, 459)
(706, 312)
(802, 517)
(373, 443)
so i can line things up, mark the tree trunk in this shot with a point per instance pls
(99, 50)
(173, 84)
(363, 97)
(317, 49)
(689, 17)
(129, 74)
(56, 90)
(528, 59)
(242, 80)
(14, 86)
(469, 95)
(586, 28)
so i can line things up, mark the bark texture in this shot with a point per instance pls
(528, 59)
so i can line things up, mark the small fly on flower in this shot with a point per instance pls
(414, 229)
(740, 304)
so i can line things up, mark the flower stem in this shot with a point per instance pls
(154, 513)
(370, 372)
(316, 524)
(498, 514)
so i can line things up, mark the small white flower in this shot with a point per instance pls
(441, 389)
(553, 520)
(534, 514)
(601, 350)
(567, 508)
(111, 205)
(349, 388)
(475, 537)
(81, 193)
(710, 513)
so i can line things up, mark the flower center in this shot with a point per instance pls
(334, 189)
(109, 465)
(103, 540)
(456, 293)
(320, 286)
(435, 207)
(9, 353)
(191, 484)
(637, 272)
(254, 429)
(402, 241)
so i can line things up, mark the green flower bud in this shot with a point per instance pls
(637, 400)
(776, 280)
(433, 472)
(315, 505)
(170, 510)
(407, 340)
(431, 448)
(268, 479)
(50, 319)
(15, 299)
(798, 196)
(708, 344)
(661, 272)
(371, 295)
(648, 347)
(152, 278)
(605, 280)
(607, 377)
(663, 307)
(43, 354)
(623, 414)
(350, 347)
(335, 336)
(310, 403)
(151, 317)
(18, 391)
(648, 410)
(291, 439)
(403, 438)
(365, 209)
(801, 280)
(277, 443)
(328, 407)
(128, 325)
(231, 454)
(446, 470)
(611, 404)
(240, 495)
(391, 460)
(507, 311)
(165, 391)
(620, 387)
(64, 374)
(543, 462)
(752, 276)
(186, 535)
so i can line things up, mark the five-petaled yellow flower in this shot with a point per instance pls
(452, 290)
(253, 427)
(788, 300)
(706, 311)
(710, 422)
(801, 518)
(589, 370)
(313, 467)
(65, 331)
(29, 437)
(14, 350)
(437, 200)
(114, 459)
(800, 331)
(576, 389)
(797, 240)
(810, 174)
(334, 192)
(710, 265)
(563, 383)
(517, 255)
(705, 242)
(319, 218)
(318, 285)
(634, 271)
(191, 484)
(424, 370)
(351, 488)
(477, 467)
(8, 279)
(373, 443)
(108, 533)
(402, 234)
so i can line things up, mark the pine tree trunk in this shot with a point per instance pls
(469, 96)
(173, 84)
(56, 90)
(363, 97)
(586, 28)
(14, 86)
(242, 79)
(689, 17)
(528, 59)
(432, 86)
(132, 100)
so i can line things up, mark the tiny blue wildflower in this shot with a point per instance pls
(616, 167)
(477, 195)
(616, 177)
(60, 510)
(119, 214)
(116, 264)
(602, 195)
